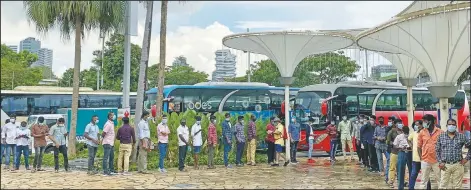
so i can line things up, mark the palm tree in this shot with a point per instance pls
(163, 43)
(143, 68)
(75, 17)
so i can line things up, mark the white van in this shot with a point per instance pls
(50, 120)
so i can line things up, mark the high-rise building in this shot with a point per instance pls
(179, 61)
(45, 57)
(379, 71)
(225, 65)
(30, 44)
(13, 48)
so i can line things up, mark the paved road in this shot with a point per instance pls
(301, 176)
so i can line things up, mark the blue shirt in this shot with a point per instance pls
(366, 134)
(226, 131)
(294, 131)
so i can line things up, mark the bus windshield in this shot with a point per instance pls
(312, 100)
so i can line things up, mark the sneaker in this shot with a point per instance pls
(127, 173)
(57, 171)
(163, 170)
(294, 162)
(286, 163)
(239, 165)
(104, 175)
(113, 173)
(229, 166)
(275, 165)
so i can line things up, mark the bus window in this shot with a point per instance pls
(211, 99)
(458, 101)
(312, 100)
(246, 100)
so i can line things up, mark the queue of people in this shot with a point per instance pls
(423, 146)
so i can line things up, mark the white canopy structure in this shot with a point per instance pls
(437, 37)
(287, 49)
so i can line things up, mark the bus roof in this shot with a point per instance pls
(169, 88)
(363, 84)
(398, 91)
(8, 92)
(253, 84)
(50, 89)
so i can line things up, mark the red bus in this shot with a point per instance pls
(352, 98)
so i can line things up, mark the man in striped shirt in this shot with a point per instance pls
(227, 138)
(240, 138)
(252, 140)
(212, 141)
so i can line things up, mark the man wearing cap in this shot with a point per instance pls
(126, 138)
(279, 143)
(227, 138)
(197, 140)
(183, 136)
(240, 138)
(426, 144)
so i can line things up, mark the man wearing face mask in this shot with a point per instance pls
(212, 141)
(8, 136)
(91, 134)
(345, 128)
(270, 139)
(418, 126)
(240, 138)
(227, 138)
(162, 135)
(183, 135)
(252, 141)
(393, 156)
(279, 142)
(108, 136)
(144, 142)
(294, 133)
(371, 126)
(58, 134)
(23, 135)
(39, 131)
(197, 140)
(333, 134)
(380, 145)
(426, 143)
(127, 138)
(402, 145)
(356, 133)
(3, 143)
(450, 156)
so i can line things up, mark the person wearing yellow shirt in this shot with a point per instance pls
(416, 165)
(279, 143)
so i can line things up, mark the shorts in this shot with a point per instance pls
(278, 148)
(196, 149)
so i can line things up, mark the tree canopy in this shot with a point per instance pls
(181, 75)
(323, 68)
(16, 71)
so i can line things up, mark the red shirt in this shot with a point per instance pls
(212, 135)
(332, 131)
(270, 137)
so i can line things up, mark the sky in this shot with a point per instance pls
(196, 28)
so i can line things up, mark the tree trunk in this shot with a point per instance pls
(76, 85)
(142, 71)
(163, 41)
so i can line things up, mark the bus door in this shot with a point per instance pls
(339, 108)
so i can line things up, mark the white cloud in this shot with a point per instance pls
(283, 25)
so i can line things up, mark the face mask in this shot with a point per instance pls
(293, 120)
(400, 125)
(332, 123)
(23, 127)
(114, 117)
(344, 118)
(372, 122)
(183, 123)
(12, 120)
(228, 119)
(451, 128)
(198, 122)
(214, 121)
(164, 121)
(426, 125)
(416, 128)
(381, 122)
(61, 125)
(242, 122)
(97, 121)
(390, 123)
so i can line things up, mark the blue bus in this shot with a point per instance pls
(259, 99)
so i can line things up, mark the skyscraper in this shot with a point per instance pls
(30, 44)
(45, 57)
(225, 65)
(13, 48)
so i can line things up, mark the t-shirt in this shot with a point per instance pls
(311, 135)
(197, 138)
(40, 129)
(25, 134)
(163, 128)
(58, 133)
(279, 135)
(182, 130)
(415, 153)
(92, 130)
(9, 133)
(109, 133)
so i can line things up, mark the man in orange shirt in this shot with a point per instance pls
(426, 141)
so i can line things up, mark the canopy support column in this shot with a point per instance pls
(409, 83)
(286, 81)
(443, 91)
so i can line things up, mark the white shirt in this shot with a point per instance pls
(311, 136)
(143, 130)
(197, 139)
(182, 130)
(9, 132)
(23, 141)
